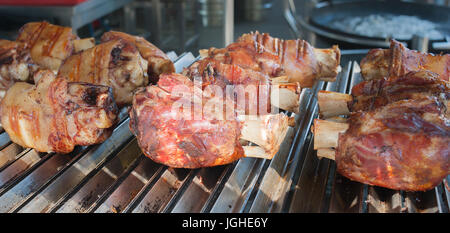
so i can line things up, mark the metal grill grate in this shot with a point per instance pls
(116, 177)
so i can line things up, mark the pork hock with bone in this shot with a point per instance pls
(387, 117)
(295, 59)
(181, 125)
(55, 115)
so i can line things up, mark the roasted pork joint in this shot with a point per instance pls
(253, 87)
(372, 94)
(158, 61)
(399, 60)
(377, 149)
(180, 125)
(296, 59)
(55, 115)
(115, 63)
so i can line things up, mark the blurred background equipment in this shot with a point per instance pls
(189, 25)
(172, 25)
(369, 23)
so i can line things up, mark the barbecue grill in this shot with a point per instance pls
(116, 177)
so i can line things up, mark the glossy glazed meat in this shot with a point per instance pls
(56, 115)
(399, 60)
(274, 57)
(158, 61)
(115, 63)
(403, 145)
(178, 137)
(49, 45)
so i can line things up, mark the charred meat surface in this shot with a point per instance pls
(56, 115)
(158, 61)
(399, 60)
(115, 63)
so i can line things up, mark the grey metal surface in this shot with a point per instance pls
(310, 19)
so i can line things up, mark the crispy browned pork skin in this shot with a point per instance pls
(15, 64)
(171, 129)
(275, 57)
(49, 44)
(56, 115)
(116, 63)
(158, 61)
(399, 60)
(403, 145)
(398, 132)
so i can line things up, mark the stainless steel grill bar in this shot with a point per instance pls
(200, 190)
(98, 184)
(24, 191)
(137, 183)
(278, 179)
(102, 198)
(19, 168)
(164, 190)
(9, 154)
(348, 196)
(238, 186)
